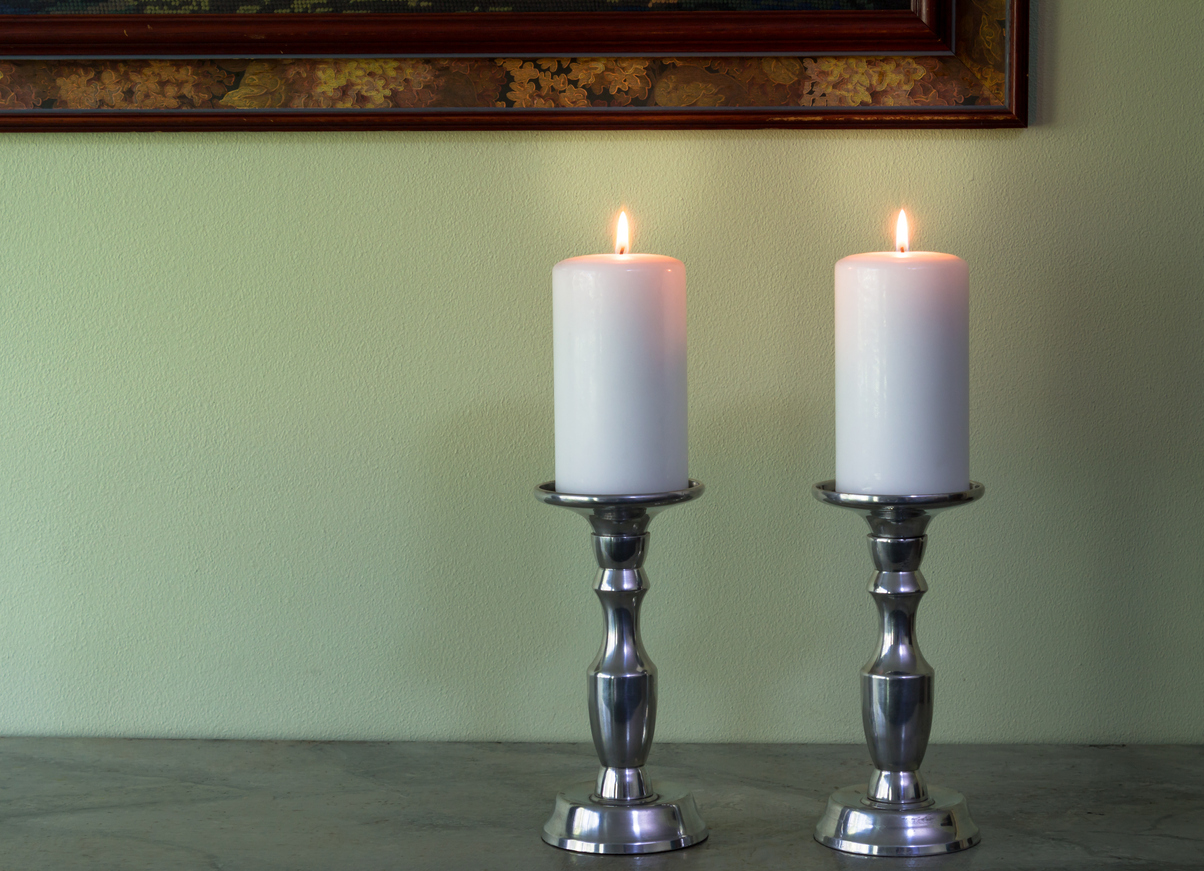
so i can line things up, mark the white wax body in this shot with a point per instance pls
(619, 344)
(902, 374)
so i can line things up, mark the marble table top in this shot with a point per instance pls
(98, 803)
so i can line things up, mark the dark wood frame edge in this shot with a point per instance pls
(534, 119)
(1013, 115)
(926, 30)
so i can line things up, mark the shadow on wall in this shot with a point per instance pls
(1042, 48)
(746, 621)
(487, 624)
(1076, 429)
(502, 621)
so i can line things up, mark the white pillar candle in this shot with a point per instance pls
(902, 372)
(619, 345)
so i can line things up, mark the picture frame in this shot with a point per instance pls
(937, 63)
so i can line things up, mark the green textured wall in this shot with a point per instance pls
(272, 406)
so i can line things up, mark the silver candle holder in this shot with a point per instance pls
(898, 814)
(620, 812)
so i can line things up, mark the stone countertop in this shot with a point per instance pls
(130, 804)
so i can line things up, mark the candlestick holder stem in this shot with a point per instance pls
(898, 814)
(621, 811)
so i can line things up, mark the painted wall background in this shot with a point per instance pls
(272, 405)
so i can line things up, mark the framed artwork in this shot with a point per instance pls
(519, 64)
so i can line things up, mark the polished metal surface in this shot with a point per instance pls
(896, 691)
(621, 812)
(896, 516)
(898, 814)
(853, 824)
(581, 823)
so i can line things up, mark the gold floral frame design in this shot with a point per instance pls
(982, 84)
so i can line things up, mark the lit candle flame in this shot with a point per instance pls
(622, 242)
(901, 239)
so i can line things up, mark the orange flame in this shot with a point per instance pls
(901, 235)
(622, 241)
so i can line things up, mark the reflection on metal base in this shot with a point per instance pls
(668, 821)
(855, 825)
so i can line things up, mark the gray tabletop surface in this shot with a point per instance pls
(99, 803)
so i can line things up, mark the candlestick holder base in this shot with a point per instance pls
(668, 820)
(621, 812)
(898, 814)
(854, 824)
